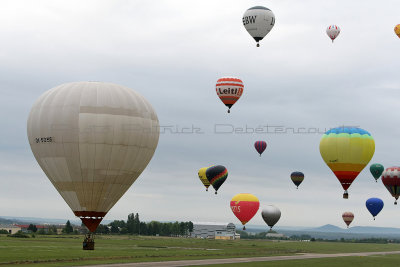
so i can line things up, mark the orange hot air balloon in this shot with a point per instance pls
(244, 206)
(397, 30)
(229, 90)
(348, 217)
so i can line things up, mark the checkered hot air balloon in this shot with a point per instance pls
(333, 31)
(229, 90)
(391, 180)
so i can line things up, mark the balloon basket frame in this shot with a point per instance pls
(88, 242)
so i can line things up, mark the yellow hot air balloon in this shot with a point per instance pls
(203, 177)
(397, 30)
(346, 151)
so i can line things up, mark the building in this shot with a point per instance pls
(275, 235)
(209, 230)
(11, 229)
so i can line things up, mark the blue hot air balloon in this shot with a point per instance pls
(374, 205)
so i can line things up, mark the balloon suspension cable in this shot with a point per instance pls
(260, 155)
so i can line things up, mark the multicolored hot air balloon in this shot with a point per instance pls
(374, 206)
(258, 22)
(333, 31)
(376, 170)
(391, 180)
(397, 30)
(297, 178)
(229, 90)
(260, 146)
(271, 215)
(348, 217)
(244, 206)
(216, 175)
(346, 151)
(203, 177)
(92, 140)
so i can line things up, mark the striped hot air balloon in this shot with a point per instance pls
(348, 217)
(216, 175)
(229, 90)
(297, 178)
(244, 206)
(346, 151)
(260, 146)
(391, 180)
(333, 31)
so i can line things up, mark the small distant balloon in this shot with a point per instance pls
(229, 90)
(203, 177)
(391, 180)
(333, 32)
(260, 146)
(348, 217)
(244, 206)
(258, 22)
(374, 206)
(376, 170)
(297, 178)
(216, 175)
(271, 215)
(397, 30)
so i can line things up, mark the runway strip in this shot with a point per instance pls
(240, 260)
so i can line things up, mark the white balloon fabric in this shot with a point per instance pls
(92, 140)
(271, 215)
(333, 31)
(258, 22)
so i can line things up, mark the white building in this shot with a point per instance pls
(11, 229)
(214, 230)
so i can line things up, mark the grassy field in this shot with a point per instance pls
(67, 250)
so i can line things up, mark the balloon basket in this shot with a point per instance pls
(345, 195)
(88, 242)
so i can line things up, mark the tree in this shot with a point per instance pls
(68, 228)
(32, 228)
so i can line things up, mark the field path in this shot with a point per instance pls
(239, 260)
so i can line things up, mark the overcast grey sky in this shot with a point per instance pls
(173, 52)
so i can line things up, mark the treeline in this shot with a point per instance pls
(134, 226)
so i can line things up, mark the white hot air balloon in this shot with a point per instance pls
(258, 21)
(333, 31)
(271, 215)
(92, 140)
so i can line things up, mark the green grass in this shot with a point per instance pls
(67, 250)
(369, 261)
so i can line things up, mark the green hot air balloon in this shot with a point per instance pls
(376, 170)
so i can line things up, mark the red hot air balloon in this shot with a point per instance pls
(260, 146)
(391, 180)
(348, 217)
(245, 206)
(229, 90)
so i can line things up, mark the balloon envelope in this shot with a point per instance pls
(92, 140)
(260, 146)
(229, 90)
(348, 217)
(203, 177)
(271, 215)
(217, 175)
(333, 31)
(258, 22)
(346, 151)
(397, 30)
(244, 206)
(391, 180)
(376, 170)
(374, 206)
(297, 178)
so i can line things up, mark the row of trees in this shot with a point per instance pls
(134, 226)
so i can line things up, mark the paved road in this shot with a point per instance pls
(239, 260)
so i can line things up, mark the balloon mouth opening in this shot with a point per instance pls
(91, 219)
